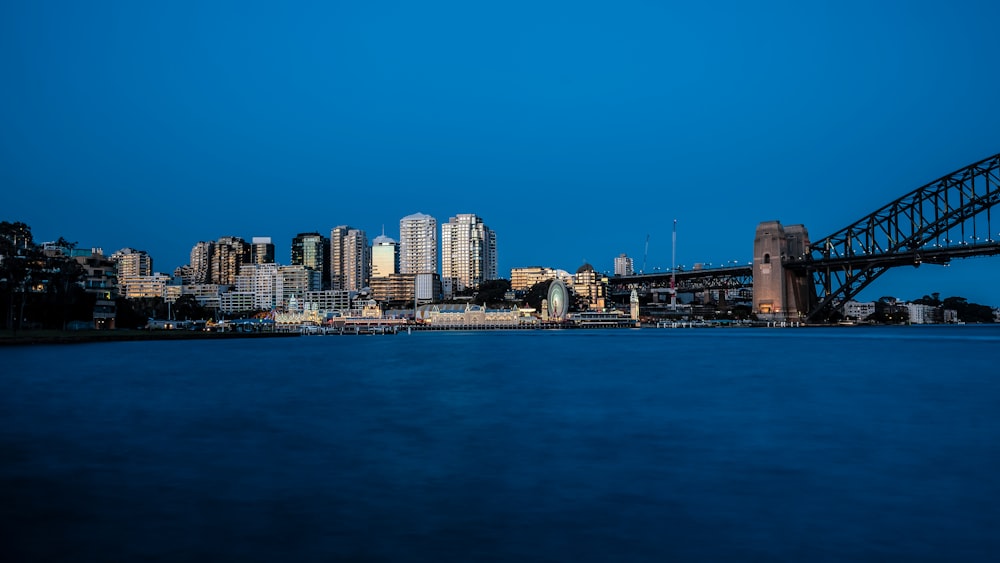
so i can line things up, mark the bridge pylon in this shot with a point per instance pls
(780, 293)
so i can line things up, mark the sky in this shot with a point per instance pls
(576, 130)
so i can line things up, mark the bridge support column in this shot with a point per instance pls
(779, 293)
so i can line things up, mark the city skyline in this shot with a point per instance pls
(577, 130)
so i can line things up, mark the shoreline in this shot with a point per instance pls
(40, 337)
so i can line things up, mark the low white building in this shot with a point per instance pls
(142, 287)
(858, 311)
(923, 314)
(236, 301)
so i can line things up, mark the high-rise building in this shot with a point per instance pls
(297, 281)
(623, 265)
(261, 250)
(228, 258)
(131, 263)
(201, 262)
(350, 261)
(417, 244)
(313, 251)
(385, 257)
(468, 251)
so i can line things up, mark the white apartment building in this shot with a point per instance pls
(858, 311)
(130, 263)
(264, 282)
(923, 314)
(468, 251)
(143, 287)
(623, 265)
(418, 244)
(236, 301)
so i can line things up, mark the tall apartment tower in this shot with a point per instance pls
(313, 251)
(201, 262)
(228, 257)
(418, 244)
(385, 257)
(350, 261)
(131, 263)
(261, 250)
(468, 251)
(623, 265)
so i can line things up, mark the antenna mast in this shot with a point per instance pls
(673, 269)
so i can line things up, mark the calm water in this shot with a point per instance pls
(649, 445)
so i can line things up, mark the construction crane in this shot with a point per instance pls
(644, 254)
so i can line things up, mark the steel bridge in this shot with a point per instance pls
(945, 219)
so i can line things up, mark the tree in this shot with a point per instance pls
(969, 312)
(492, 292)
(533, 298)
(187, 308)
(17, 258)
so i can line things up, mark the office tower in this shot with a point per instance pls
(262, 251)
(623, 265)
(201, 262)
(349, 258)
(313, 251)
(385, 257)
(468, 251)
(228, 258)
(417, 244)
(131, 263)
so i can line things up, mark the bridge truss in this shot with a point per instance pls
(724, 278)
(948, 218)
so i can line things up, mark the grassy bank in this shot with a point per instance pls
(27, 337)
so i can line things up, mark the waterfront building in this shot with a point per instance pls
(857, 311)
(417, 244)
(924, 314)
(385, 257)
(229, 255)
(201, 262)
(261, 250)
(350, 261)
(468, 252)
(623, 265)
(312, 250)
(469, 316)
(130, 263)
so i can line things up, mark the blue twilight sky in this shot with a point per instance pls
(575, 129)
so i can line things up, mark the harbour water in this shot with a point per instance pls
(606, 445)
